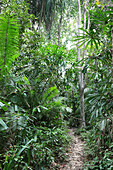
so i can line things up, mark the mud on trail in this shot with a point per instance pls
(75, 155)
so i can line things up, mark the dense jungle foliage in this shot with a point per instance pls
(42, 80)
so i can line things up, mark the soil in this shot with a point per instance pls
(75, 155)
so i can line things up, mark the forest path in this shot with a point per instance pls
(75, 155)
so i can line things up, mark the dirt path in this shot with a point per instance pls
(75, 155)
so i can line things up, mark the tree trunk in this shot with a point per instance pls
(82, 102)
(84, 51)
(81, 82)
(59, 26)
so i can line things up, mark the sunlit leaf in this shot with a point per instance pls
(3, 125)
(26, 80)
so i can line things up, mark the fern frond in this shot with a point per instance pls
(9, 41)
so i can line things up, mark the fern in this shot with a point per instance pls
(9, 41)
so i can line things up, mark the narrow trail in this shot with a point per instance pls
(75, 155)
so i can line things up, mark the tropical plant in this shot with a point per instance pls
(32, 101)
(98, 95)
(9, 41)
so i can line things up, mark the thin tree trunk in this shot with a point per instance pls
(84, 51)
(88, 25)
(88, 20)
(0, 8)
(81, 83)
(59, 27)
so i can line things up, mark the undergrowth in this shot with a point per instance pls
(98, 149)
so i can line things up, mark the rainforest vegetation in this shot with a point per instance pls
(56, 72)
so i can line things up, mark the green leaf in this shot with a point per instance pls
(23, 148)
(4, 108)
(91, 44)
(103, 124)
(50, 94)
(85, 69)
(38, 109)
(68, 109)
(87, 45)
(26, 80)
(96, 44)
(34, 110)
(84, 30)
(82, 43)
(44, 107)
(2, 104)
(10, 165)
(3, 125)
